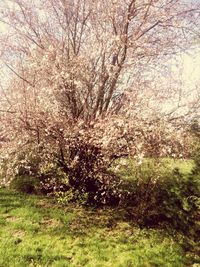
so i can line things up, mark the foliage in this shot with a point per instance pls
(34, 165)
(80, 158)
(156, 195)
(196, 157)
(79, 167)
(86, 165)
(71, 196)
(26, 184)
(179, 197)
(195, 128)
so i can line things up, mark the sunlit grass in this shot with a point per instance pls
(129, 169)
(36, 232)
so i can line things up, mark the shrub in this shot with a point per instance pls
(86, 166)
(71, 196)
(196, 158)
(33, 169)
(25, 184)
(155, 196)
(81, 169)
(177, 201)
(52, 178)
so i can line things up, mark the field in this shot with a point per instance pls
(35, 231)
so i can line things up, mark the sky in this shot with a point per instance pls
(188, 62)
(191, 67)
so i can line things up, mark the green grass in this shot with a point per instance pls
(128, 169)
(34, 231)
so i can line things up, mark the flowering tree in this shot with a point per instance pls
(75, 77)
(89, 53)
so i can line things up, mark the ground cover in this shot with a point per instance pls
(37, 232)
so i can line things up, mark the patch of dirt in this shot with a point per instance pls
(18, 233)
(44, 204)
(52, 223)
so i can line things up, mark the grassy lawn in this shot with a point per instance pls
(129, 168)
(34, 231)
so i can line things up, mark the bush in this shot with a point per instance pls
(81, 169)
(33, 169)
(86, 166)
(155, 196)
(52, 178)
(196, 158)
(177, 202)
(71, 196)
(25, 184)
